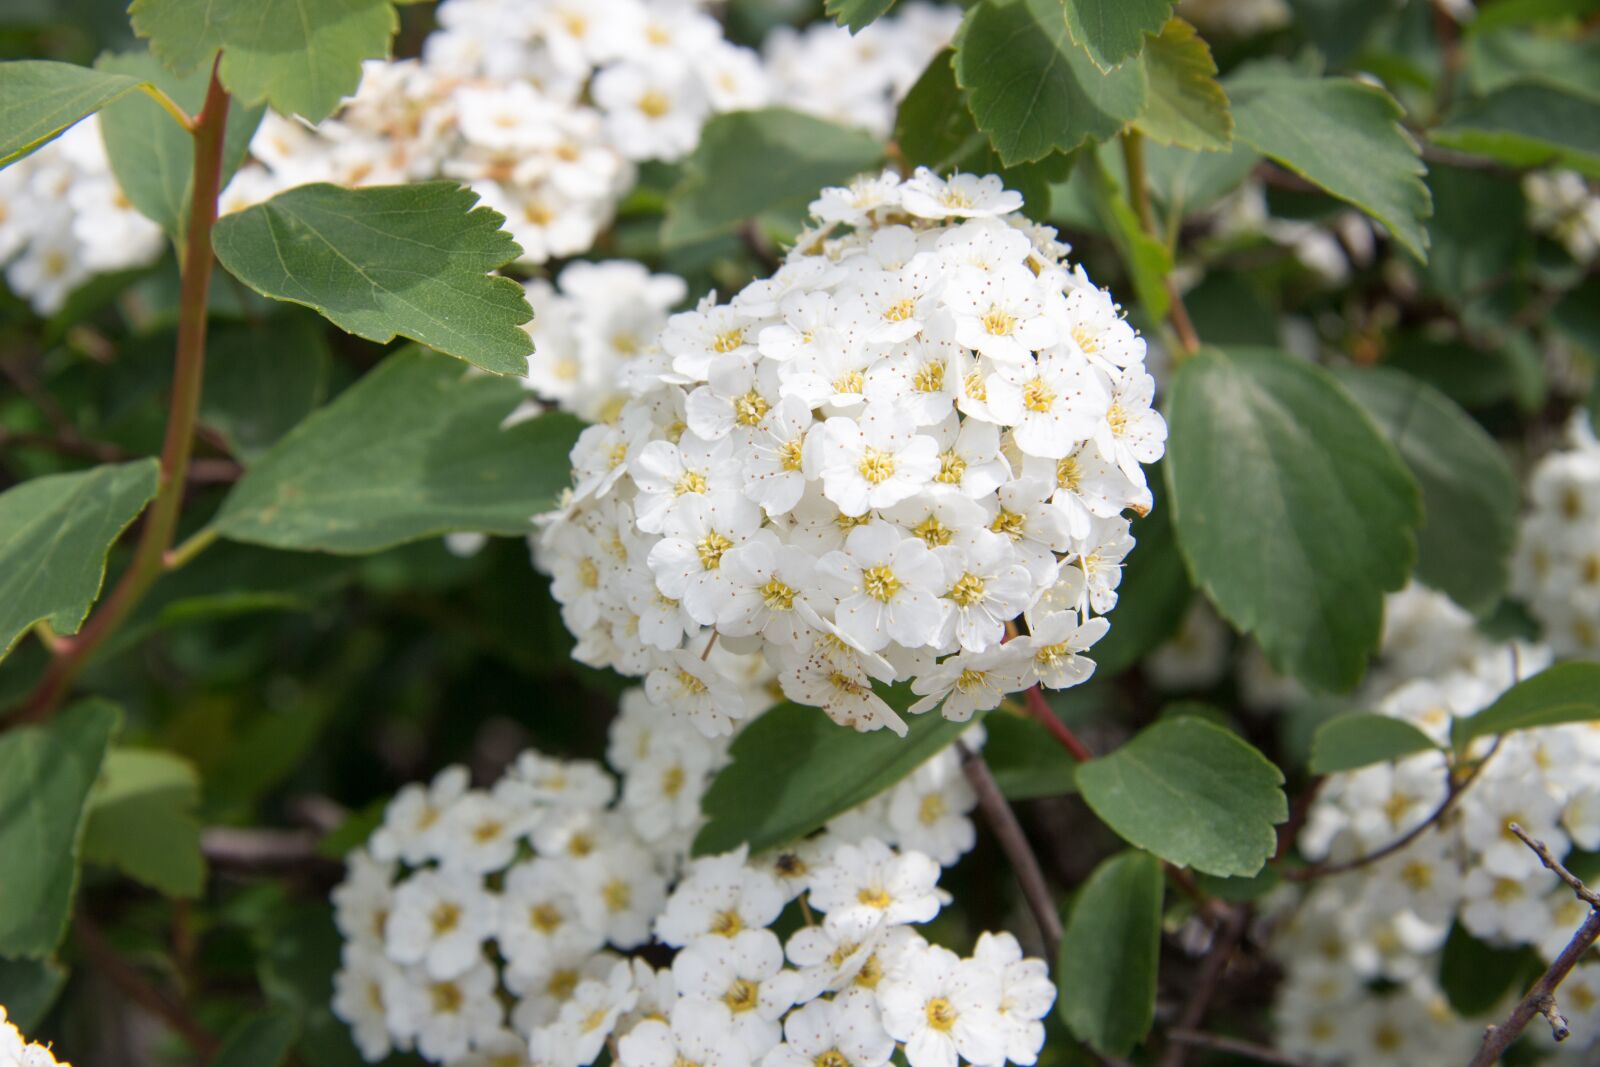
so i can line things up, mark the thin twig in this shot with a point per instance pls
(1039, 708)
(1003, 821)
(1541, 997)
(1139, 194)
(133, 985)
(1226, 940)
(1233, 1046)
(257, 850)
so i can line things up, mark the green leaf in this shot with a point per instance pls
(1106, 971)
(54, 535)
(1567, 692)
(150, 154)
(1362, 738)
(1146, 257)
(1114, 30)
(793, 769)
(1478, 236)
(1192, 793)
(1529, 124)
(1475, 977)
(39, 100)
(262, 380)
(412, 450)
(142, 821)
(1025, 760)
(857, 14)
(1470, 497)
(1293, 511)
(298, 955)
(1186, 181)
(298, 56)
(46, 773)
(28, 989)
(260, 1040)
(757, 163)
(1341, 134)
(412, 260)
(1032, 90)
(1240, 889)
(1184, 105)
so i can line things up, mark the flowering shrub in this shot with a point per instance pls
(799, 533)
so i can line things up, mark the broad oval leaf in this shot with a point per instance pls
(1185, 105)
(1114, 30)
(40, 99)
(1341, 134)
(1034, 91)
(793, 769)
(761, 163)
(414, 449)
(1193, 793)
(412, 260)
(1566, 692)
(1362, 738)
(1529, 124)
(1294, 513)
(1106, 970)
(55, 532)
(28, 989)
(46, 773)
(1469, 491)
(142, 821)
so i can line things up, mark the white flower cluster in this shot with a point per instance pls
(64, 219)
(1386, 921)
(15, 1051)
(857, 79)
(1556, 569)
(1564, 205)
(867, 468)
(489, 923)
(541, 106)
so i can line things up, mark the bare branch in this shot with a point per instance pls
(1233, 1046)
(1003, 821)
(1229, 932)
(1540, 849)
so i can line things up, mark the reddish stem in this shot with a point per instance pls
(1039, 708)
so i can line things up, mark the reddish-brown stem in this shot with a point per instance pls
(161, 521)
(1040, 709)
(1008, 831)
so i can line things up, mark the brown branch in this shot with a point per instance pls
(263, 850)
(1003, 821)
(1229, 932)
(1541, 998)
(134, 986)
(1233, 1046)
(1039, 708)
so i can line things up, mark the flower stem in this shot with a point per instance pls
(1040, 709)
(161, 522)
(1139, 194)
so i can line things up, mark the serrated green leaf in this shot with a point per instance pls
(39, 100)
(1193, 793)
(1185, 104)
(1495, 60)
(262, 379)
(260, 1040)
(28, 989)
(857, 15)
(1114, 30)
(46, 773)
(793, 769)
(150, 154)
(55, 532)
(1293, 511)
(1025, 760)
(1106, 971)
(1529, 124)
(1361, 738)
(412, 260)
(1566, 692)
(1034, 91)
(412, 450)
(1340, 134)
(1469, 492)
(142, 821)
(300, 56)
(759, 163)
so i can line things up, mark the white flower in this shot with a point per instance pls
(1002, 316)
(974, 681)
(719, 896)
(652, 112)
(842, 1033)
(1055, 644)
(362, 901)
(944, 1009)
(440, 919)
(587, 1020)
(539, 913)
(871, 462)
(929, 810)
(985, 586)
(358, 999)
(479, 832)
(869, 885)
(961, 196)
(888, 587)
(1026, 994)
(769, 588)
(443, 1017)
(1055, 404)
(698, 1033)
(619, 892)
(696, 689)
(745, 974)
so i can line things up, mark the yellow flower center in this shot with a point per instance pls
(750, 409)
(617, 894)
(877, 466)
(934, 533)
(929, 378)
(967, 591)
(727, 923)
(974, 387)
(777, 596)
(724, 343)
(690, 482)
(654, 103)
(931, 810)
(850, 382)
(789, 455)
(1009, 523)
(1037, 396)
(447, 998)
(690, 684)
(672, 780)
(999, 322)
(952, 468)
(880, 583)
(941, 1015)
(874, 897)
(900, 310)
(545, 918)
(1068, 473)
(711, 548)
(445, 917)
(742, 996)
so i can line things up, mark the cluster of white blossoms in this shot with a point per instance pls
(1387, 921)
(515, 921)
(923, 428)
(64, 219)
(1564, 205)
(1556, 569)
(16, 1051)
(857, 79)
